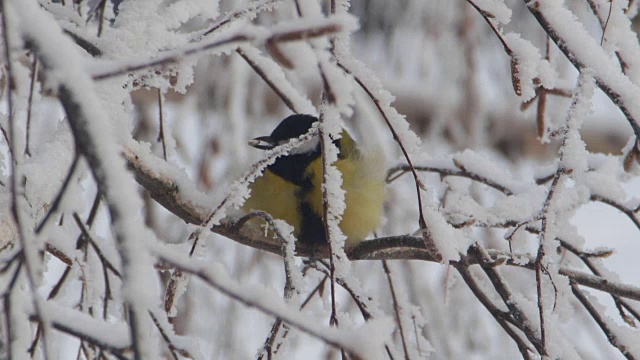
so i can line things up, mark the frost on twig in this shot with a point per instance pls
(479, 224)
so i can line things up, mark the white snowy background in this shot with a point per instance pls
(125, 160)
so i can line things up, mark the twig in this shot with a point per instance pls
(396, 308)
(58, 254)
(65, 328)
(399, 170)
(172, 348)
(515, 78)
(507, 296)
(357, 299)
(34, 72)
(94, 210)
(502, 317)
(267, 308)
(606, 23)
(102, 7)
(247, 11)
(106, 264)
(541, 254)
(95, 247)
(31, 350)
(271, 84)
(171, 58)
(625, 210)
(602, 323)
(84, 44)
(56, 289)
(161, 125)
(267, 348)
(587, 260)
(8, 305)
(56, 202)
(289, 287)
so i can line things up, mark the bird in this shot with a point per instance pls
(290, 189)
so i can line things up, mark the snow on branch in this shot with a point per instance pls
(387, 248)
(88, 255)
(94, 141)
(293, 31)
(584, 52)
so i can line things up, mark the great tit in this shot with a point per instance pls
(290, 189)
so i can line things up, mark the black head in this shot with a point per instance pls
(293, 127)
(290, 128)
(293, 166)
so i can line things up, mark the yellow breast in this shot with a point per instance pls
(364, 197)
(276, 196)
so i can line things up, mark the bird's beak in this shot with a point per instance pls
(262, 143)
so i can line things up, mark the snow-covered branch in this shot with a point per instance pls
(124, 128)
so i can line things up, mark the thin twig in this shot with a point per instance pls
(506, 294)
(65, 328)
(541, 254)
(84, 44)
(8, 305)
(58, 286)
(56, 202)
(396, 308)
(102, 8)
(172, 347)
(631, 214)
(161, 125)
(357, 299)
(58, 254)
(397, 171)
(94, 210)
(267, 348)
(95, 247)
(602, 323)
(34, 72)
(586, 258)
(171, 58)
(515, 71)
(258, 70)
(234, 293)
(502, 317)
(247, 11)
